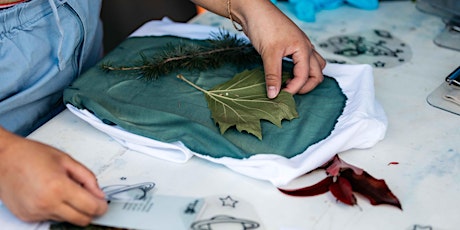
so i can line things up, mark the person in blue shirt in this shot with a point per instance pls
(46, 44)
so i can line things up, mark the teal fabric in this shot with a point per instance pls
(168, 109)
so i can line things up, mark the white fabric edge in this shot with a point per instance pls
(175, 152)
(167, 27)
(362, 124)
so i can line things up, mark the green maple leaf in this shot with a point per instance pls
(242, 102)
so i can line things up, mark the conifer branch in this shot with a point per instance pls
(222, 48)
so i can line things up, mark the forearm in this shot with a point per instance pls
(242, 11)
(6, 140)
(8, 1)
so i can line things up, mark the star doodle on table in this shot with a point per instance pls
(228, 201)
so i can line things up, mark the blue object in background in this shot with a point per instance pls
(306, 10)
(364, 4)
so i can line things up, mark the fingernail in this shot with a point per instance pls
(272, 92)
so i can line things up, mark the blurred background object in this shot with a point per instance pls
(121, 17)
(449, 11)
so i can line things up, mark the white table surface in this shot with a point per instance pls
(424, 140)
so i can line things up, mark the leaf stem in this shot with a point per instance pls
(180, 76)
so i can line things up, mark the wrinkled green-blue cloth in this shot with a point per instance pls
(168, 109)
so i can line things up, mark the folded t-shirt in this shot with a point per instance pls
(166, 117)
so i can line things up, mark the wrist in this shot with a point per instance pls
(242, 11)
(234, 19)
(249, 12)
(5, 139)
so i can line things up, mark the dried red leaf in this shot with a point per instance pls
(313, 190)
(373, 189)
(342, 190)
(349, 179)
(337, 165)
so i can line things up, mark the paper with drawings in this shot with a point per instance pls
(153, 212)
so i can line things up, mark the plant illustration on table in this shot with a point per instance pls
(343, 180)
(242, 102)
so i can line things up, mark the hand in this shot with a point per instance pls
(275, 36)
(39, 182)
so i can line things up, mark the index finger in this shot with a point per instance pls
(83, 201)
(314, 76)
(83, 176)
(300, 71)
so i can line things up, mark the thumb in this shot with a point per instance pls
(272, 69)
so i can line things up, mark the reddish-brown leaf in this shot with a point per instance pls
(342, 190)
(313, 190)
(373, 189)
(337, 165)
(349, 179)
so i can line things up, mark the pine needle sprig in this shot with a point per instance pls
(221, 49)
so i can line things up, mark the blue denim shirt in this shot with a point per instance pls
(44, 45)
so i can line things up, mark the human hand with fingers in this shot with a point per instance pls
(275, 37)
(39, 182)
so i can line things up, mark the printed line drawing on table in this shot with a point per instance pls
(228, 201)
(132, 192)
(220, 220)
(421, 227)
(191, 208)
